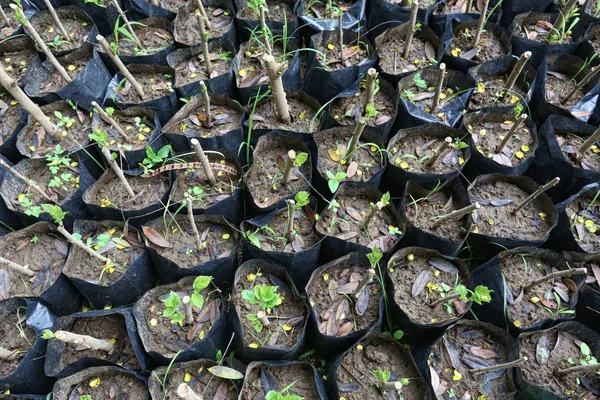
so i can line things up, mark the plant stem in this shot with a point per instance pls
(580, 368)
(121, 67)
(514, 74)
(185, 392)
(594, 137)
(444, 299)
(437, 153)
(341, 37)
(590, 75)
(290, 224)
(535, 194)
(559, 24)
(370, 87)
(8, 355)
(481, 22)
(127, 24)
(110, 120)
(374, 210)
(117, 170)
(289, 164)
(203, 12)
(204, 160)
(82, 246)
(89, 341)
(187, 306)
(19, 269)
(364, 282)
(553, 275)
(5, 17)
(205, 49)
(62, 29)
(511, 132)
(438, 88)
(360, 127)
(391, 386)
(263, 318)
(207, 120)
(28, 181)
(263, 24)
(469, 6)
(498, 366)
(410, 33)
(42, 45)
(274, 72)
(456, 214)
(190, 213)
(155, 2)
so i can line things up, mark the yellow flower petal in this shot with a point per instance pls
(456, 376)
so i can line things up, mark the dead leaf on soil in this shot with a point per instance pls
(443, 265)
(155, 237)
(542, 350)
(483, 353)
(421, 282)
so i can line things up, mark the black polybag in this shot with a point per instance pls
(8, 148)
(354, 18)
(245, 26)
(147, 9)
(588, 304)
(384, 14)
(63, 389)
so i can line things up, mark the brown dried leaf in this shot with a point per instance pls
(355, 214)
(352, 168)
(562, 294)
(346, 235)
(429, 51)
(61, 246)
(345, 329)
(333, 285)
(421, 282)
(347, 288)
(595, 271)
(483, 353)
(152, 235)
(333, 155)
(362, 302)
(443, 265)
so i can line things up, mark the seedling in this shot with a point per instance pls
(565, 14)
(301, 199)
(515, 73)
(294, 160)
(480, 295)
(57, 42)
(174, 305)
(152, 158)
(412, 28)
(375, 208)
(82, 342)
(535, 194)
(586, 79)
(588, 362)
(129, 32)
(273, 395)
(265, 297)
(335, 180)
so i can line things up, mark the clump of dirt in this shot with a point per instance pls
(558, 86)
(584, 218)
(187, 29)
(390, 49)
(569, 144)
(489, 48)
(16, 337)
(303, 116)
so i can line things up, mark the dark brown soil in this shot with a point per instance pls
(9, 116)
(217, 241)
(122, 250)
(462, 349)
(265, 177)
(569, 144)
(55, 80)
(541, 30)
(167, 338)
(15, 335)
(109, 327)
(487, 136)
(348, 110)
(301, 376)
(153, 40)
(423, 213)
(194, 68)
(412, 152)
(171, 5)
(155, 85)
(595, 42)
(201, 381)
(287, 319)
(250, 71)
(320, 9)
(453, 7)
(43, 253)
(498, 221)
(138, 133)
(273, 237)
(557, 89)
(584, 218)
(223, 119)
(187, 30)
(338, 312)
(489, 48)
(564, 352)
(405, 274)
(421, 55)
(358, 383)
(17, 63)
(276, 12)
(303, 116)
(347, 221)
(364, 163)
(78, 30)
(111, 386)
(354, 54)
(490, 89)
(521, 269)
(109, 191)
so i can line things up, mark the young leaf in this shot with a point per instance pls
(225, 372)
(300, 159)
(201, 282)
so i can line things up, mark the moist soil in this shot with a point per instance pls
(302, 115)
(250, 71)
(355, 54)
(188, 31)
(167, 338)
(259, 380)
(418, 282)
(122, 250)
(15, 335)
(112, 385)
(584, 218)
(218, 241)
(265, 177)
(562, 347)
(363, 165)
(421, 55)
(9, 116)
(348, 220)
(154, 85)
(153, 40)
(194, 69)
(491, 94)
(275, 12)
(55, 80)
(424, 214)
(463, 348)
(519, 271)
(356, 382)
(304, 237)
(348, 110)
(495, 217)
(489, 48)
(78, 30)
(43, 253)
(18, 62)
(412, 152)
(291, 312)
(337, 311)
(558, 87)
(423, 98)
(202, 381)
(108, 327)
(570, 143)
(223, 120)
(110, 192)
(138, 133)
(540, 30)
(487, 136)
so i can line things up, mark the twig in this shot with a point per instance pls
(580, 368)
(437, 153)
(341, 37)
(16, 267)
(364, 282)
(391, 386)
(263, 24)
(190, 213)
(207, 120)
(85, 340)
(57, 20)
(445, 299)
(127, 24)
(469, 6)
(204, 160)
(121, 67)
(438, 87)
(204, 14)
(481, 22)
(410, 33)
(590, 75)
(511, 132)
(289, 164)
(71, 239)
(31, 183)
(516, 71)
(274, 72)
(374, 210)
(187, 306)
(594, 137)
(559, 24)
(456, 214)
(370, 87)
(553, 275)
(5, 18)
(496, 367)
(117, 170)
(205, 49)
(8, 355)
(110, 120)
(535, 194)
(360, 127)
(290, 225)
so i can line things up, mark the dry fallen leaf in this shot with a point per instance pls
(155, 237)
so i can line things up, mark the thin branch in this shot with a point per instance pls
(84, 340)
(496, 367)
(535, 194)
(513, 129)
(360, 127)
(205, 49)
(374, 210)
(207, 120)
(110, 120)
(19, 269)
(57, 20)
(441, 72)
(117, 170)
(366, 279)
(187, 308)
(121, 67)
(456, 214)
(594, 137)
(115, 3)
(31, 183)
(204, 160)
(71, 239)
(554, 275)
(410, 33)
(192, 221)
(5, 18)
(204, 14)
(481, 22)
(559, 24)
(579, 368)
(265, 30)
(515, 73)
(289, 164)
(290, 224)
(439, 151)
(341, 37)
(444, 299)
(590, 75)
(370, 87)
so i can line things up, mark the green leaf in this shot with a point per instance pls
(333, 185)
(197, 300)
(102, 240)
(482, 294)
(340, 175)
(419, 81)
(302, 199)
(77, 236)
(463, 292)
(330, 175)
(585, 349)
(201, 282)
(55, 212)
(163, 153)
(172, 301)
(254, 319)
(385, 199)
(375, 256)
(226, 372)
(248, 295)
(300, 159)
(254, 240)
(47, 334)
(398, 334)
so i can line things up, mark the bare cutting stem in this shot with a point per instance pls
(205, 49)
(207, 120)
(580, 368)
(535, 194)
(410, 33)
(187, 307)
(117, 170)
(391, 386)
(341, 37)
(469, 6)
(360, 127)
(370, 92)
(515, 73)
(263, 318)
(190, 213)
(31, 183)
(185, 392)
(444, 299)
(8, 355)
(290, 224)
(110, 120)
(289, 164)
(498, 366)
(561, 20)
(440, 150)
(62, 29)
(265, 30)
(456, 214)
(5, 17)
(204, 14)
(121, 67)
(481, 22)
(127, 24)
(553, 275)
(204, 160)
(594, 137)
(586, 79)
(82, 246)
(374, 210)
(84, 340)
(513, 129)
(438, 88)
(275, 71)
(19, 269)
(364, 282)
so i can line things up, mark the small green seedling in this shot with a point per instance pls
(173, 302)
(273, 395)
(152, 158)
(335, 180)
(266, 297)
